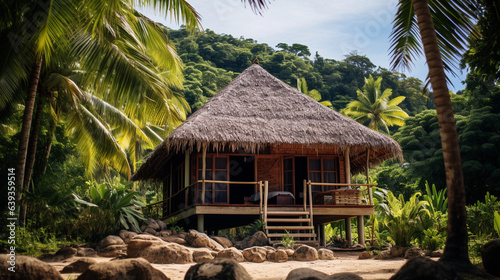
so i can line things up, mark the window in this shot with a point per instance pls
(288, 174)
(323, 170)
(216, 170)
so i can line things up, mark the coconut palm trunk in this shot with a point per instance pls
(456, 249)
(26, 127)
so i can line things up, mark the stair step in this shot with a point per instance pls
(291, 234)
(288, 220)
(312, 243)
(287, 213)
(289, 227)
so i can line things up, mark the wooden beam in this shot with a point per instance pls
(347, 167)
(186, 177)
(348, 233)
(370, 195)
(322, 237)
(203, 171)
(304, 194)
(201, 223)
(361, 230)
(170, 208)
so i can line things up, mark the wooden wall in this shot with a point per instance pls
(269, 169)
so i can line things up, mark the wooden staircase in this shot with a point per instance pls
(296, 222)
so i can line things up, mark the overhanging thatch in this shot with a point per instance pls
(257, 110)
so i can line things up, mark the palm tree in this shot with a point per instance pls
(443, 27)
(374, 108)
(123, 55)
(314, 94)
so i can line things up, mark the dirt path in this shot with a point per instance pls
(343, 262)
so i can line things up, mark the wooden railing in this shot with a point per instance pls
(339, 190)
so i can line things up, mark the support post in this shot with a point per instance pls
(347, 167)
(266, 194)
(260, 196)
(348, 233)
(304, 195)
(201, 222)
(361, 230)
(170, 191)
(321, 231)
(370, 195)
(203, 171)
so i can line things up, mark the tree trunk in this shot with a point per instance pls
(456, 249)
(25, 130)
(51, 135)
(30, 160)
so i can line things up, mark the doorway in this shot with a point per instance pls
(300, 176)
(241, 169)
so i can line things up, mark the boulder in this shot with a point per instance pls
(123, 269)
(491, 257)
(152, 224)
(162, 225)
(439, 253)
(111, 240)
(279, 255)
(165, 232)
(397, 251)
(66, 252)
(413, 253)
(305, 253)
(26, 268)
(289, 252)
(365, 255)
(165, 253)
(231, 253)
(305, 273)
(345, 276)
(198, 239)
(218, 269)
(325, 254)
(86, 252)
(200, 256)
(140, 242)
(150, 231)
(385, 255)
(127, 235)
(79, 265)
(257, 239)
(113, 251)
(424, 268)
(225, 242)
(174, 239)
(255, 254)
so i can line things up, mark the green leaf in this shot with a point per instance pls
(497, 223)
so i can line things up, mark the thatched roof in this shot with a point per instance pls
(257, 110)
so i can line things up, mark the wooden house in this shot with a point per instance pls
(260, 148)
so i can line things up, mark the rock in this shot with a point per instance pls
(397, 251)
(113, 251)
(345, 276)
(111, 240)
(289, 252)
(200, 256)
(385, 255)
(165, 232)
(198, 239)
(305, 253)
(165, 253)
(438, 254)
(225, 242)
(490, 253)
(424, 268)
(305, 273)
(151, 223)
(218, 269)
(231, 253)
(325, 254)
(255, 254)
(123, 269)
(79, 265)
(414, 252)
(365, 255)
(174, 239)
(150, 231)
(140, 242)
(257, 239)
(279, 255)
(162, 225)
(27, 268)
(66, 252)
(127, 235)
(86, 252)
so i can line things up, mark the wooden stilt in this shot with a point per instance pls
(348, 233)
(361, 230)
(203, 171)
(201, 223)
(347, 167)
(321, 231)
(370, 195)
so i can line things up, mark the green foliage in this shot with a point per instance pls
(496, 223)
(433, 240)
(111, 206)
(436, 199)
(402, 217)
(287, 240)
(172, 223)
(480, 216)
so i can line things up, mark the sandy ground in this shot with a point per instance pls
(343, 262)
